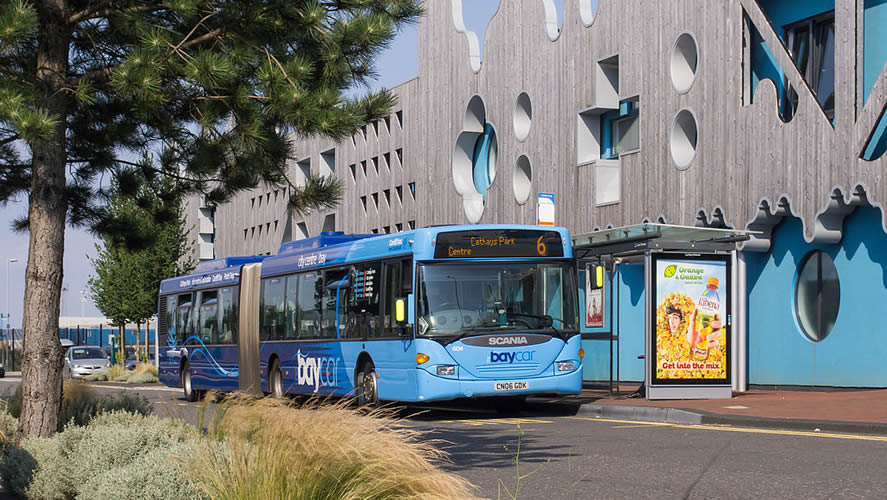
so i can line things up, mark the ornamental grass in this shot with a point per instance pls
(318, 451)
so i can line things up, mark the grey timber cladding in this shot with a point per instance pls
(749, 169)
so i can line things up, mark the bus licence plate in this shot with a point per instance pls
(512, 386)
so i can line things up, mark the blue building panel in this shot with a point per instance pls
(853, 352)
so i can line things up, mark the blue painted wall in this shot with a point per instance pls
(874, 58)
(854, 352)
(785, 12)
(874, 43)
(628, 294)
(780, 13)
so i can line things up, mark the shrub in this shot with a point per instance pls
(79, 404)
(156, 474)
(14, 402)
(125, 401)
(142, 378)
(99, 376)
(78, 457)
(143, 368)
(318, 451)
(8, 426)
(42, 467)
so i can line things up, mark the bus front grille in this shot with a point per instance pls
(499, 370)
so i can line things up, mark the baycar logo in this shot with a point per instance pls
(317, 371)
(508, 341)
(511, 357)
(670, 271)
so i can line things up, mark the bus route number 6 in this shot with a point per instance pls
(540, 246)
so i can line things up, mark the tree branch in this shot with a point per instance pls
(99, 12)
(13, 138)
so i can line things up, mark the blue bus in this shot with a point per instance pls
(429, 314)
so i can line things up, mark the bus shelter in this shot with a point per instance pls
(684, 315)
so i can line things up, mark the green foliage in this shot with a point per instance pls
(143, 378)
(79, 404)
(14, 402)
(80, 461)
(158, 473)
(126, 401)
(127, 281)
(317, 451)
(99, 376)
(191, 96)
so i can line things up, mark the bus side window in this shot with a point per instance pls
(309, 305)
(398, 284)
(227, 315)
(183, 317)
(335, 300)
(208, 317)
(273, 311)
(292, 307)
(366, 282)
(171, 303)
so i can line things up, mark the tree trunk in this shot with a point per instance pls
(48, 207)
(121, 345)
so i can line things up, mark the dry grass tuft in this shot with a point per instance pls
(143, 368)
(73, 390)
(318, 451)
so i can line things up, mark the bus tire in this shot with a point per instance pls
(190, 394)
(367, 387)
(275, 380)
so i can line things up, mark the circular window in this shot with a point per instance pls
(684, 56)
(474, 159)
(683, 139)
(523, 177)
(587, 11)
(817, 295)
(523, 116)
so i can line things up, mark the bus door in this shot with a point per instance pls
(389, 343)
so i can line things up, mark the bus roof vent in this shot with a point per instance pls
(215, 264)
(324, 239)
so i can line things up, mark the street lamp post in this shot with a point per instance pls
(8, 312)
(8, 321)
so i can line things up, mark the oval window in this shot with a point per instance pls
(817, 295)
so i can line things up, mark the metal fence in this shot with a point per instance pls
(11, 341)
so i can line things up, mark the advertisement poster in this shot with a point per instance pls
(692, 315)
(594, 300)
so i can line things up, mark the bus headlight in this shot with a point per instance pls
(565, 366)
(446, 370)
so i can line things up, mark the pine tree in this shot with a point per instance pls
(204, 92)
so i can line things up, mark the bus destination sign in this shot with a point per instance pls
(493, 243)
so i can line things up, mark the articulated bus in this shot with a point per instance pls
(424, 315)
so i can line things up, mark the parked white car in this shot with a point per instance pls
(81, 361)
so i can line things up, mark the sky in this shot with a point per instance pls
(397, 64)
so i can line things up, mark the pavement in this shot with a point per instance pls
(821, 410)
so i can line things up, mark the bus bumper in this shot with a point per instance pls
(433, 388)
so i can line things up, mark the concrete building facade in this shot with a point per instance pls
(765, 115)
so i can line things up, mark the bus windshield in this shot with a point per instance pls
(462, 298)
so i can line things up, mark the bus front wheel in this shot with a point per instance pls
(275, 380)
(190, 393)
(367, 394)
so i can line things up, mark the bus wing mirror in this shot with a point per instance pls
(400, 313)
(599, 276)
